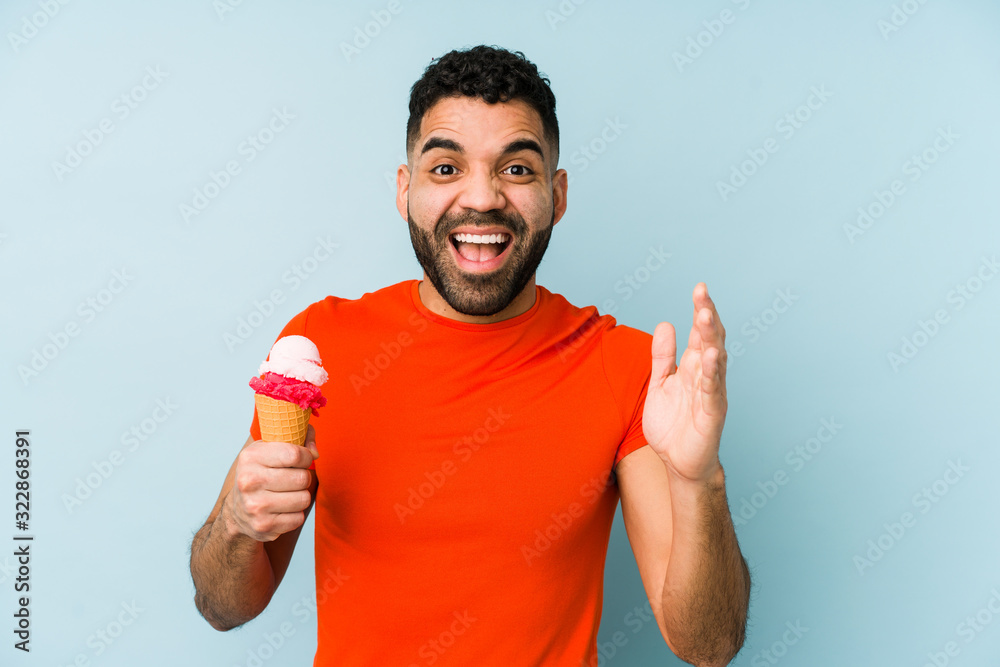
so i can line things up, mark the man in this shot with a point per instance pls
(480, 429)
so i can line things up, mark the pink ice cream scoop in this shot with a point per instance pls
(292, 373)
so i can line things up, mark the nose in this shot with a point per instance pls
(482, 192)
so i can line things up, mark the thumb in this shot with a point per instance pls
(664, 353)
(312, 448)
(310, 442)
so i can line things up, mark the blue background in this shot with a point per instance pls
(681, 128)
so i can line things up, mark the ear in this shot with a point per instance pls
(402, 189)
(560, 184)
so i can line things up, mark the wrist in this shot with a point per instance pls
(712, 478)
(227, 522)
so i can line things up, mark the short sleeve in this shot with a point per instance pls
(627, 366)
(295, 327)
(634, 437)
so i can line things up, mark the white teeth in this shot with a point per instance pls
(480, 238)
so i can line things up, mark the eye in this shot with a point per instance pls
(445, 167)
(519, 170)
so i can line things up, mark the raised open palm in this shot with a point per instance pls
(686, 403)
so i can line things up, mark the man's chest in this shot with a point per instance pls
(504, 461)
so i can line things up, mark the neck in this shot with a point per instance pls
(434, 302)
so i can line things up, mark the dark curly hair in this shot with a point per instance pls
(490, 73)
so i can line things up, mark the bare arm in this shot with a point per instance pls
(240, 555)
(674, 496)
(685, 546)
(706, 591)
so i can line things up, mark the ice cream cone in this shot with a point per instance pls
(281, 421)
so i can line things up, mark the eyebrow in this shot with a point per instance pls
(515, 146)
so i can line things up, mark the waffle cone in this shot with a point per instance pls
(281, 421)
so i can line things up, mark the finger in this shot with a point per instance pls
(695, 298)
(712, 333)
(285, 479)
(702, 335)
(282, 455)
(664, 353)
(694, 338)
(285, 502)
(310, 442)
(709, 330)
(702, 300)
(287, 522)
(712, 341)
(712, 386)
(267, 527)
(709, 369)
(254, 478)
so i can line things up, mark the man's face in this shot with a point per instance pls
(480, 200)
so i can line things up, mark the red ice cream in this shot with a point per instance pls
(304, 394)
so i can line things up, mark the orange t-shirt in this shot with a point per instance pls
(466, 489)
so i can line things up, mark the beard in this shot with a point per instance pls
(479, 293)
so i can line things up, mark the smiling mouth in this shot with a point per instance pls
(480, 247)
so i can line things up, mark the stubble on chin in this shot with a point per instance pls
(478, 294)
